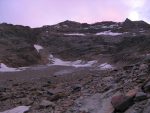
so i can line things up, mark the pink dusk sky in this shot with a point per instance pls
(36, 13)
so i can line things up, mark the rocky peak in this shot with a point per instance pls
(128, 23)
(135, 24)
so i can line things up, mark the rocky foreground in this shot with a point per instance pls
(60, 89)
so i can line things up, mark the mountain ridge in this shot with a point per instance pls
(100, 38)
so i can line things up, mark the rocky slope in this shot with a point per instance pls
(71, 41)
(91, 68)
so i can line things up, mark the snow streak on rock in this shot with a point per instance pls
(38, 47)
(106, 66)
(75, 34)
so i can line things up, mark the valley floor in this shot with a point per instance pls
(64, 89)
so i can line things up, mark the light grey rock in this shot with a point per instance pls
(46, 103)
(26, 101)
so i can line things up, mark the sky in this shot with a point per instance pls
(36, 13)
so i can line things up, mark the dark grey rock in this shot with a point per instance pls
(140, 96)
(76, 88)
(2, 89)
(147, 87)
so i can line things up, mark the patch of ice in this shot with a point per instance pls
(109, 33)
(38, 47)
(19, 109)
(75, 34)
(106, 66)
(4, 68)
(77, 63)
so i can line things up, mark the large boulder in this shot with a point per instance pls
(121, 102)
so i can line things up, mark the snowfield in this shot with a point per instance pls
(19, 109)
(38, 47)
(77, 63)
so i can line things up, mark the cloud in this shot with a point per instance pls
(42, 12)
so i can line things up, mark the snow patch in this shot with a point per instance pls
(110, 26)
(109, 33)
(77, 63)
(106, 66)
(75, 34)
(65, 26)
(134, 34)
(19, 109)
(38, 47)
(4, 68)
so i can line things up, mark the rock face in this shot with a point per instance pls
(16, 43)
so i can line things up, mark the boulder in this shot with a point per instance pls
(140, 96)
(121, 102)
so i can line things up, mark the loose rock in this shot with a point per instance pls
(46, 103)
